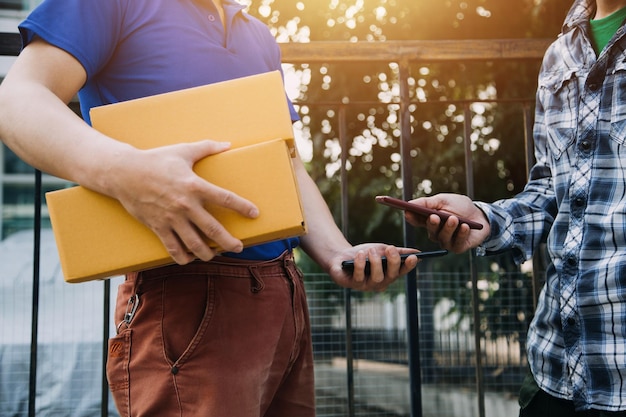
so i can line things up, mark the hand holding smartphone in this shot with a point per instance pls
(423, 211)
(349, 265)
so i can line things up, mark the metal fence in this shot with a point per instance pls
(416, 353)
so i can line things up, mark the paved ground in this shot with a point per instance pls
(382, 390)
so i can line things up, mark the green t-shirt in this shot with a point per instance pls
(602, 30)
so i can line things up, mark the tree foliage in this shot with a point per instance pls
(379, 20)
(371, 88)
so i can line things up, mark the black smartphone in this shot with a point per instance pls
(423, 211)
(349, 265)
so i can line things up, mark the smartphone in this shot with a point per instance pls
(421, 210)
(349, 265)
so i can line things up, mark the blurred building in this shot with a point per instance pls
(17, 178)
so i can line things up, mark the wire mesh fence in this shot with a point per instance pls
(361, 370)
(447, 347)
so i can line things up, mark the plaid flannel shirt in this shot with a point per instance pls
(576, 201)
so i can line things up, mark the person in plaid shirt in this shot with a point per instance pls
(575, 201)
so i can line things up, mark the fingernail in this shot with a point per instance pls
(224, 145)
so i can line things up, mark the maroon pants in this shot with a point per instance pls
(227, 338)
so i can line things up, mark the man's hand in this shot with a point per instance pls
(378, 279)
(451, 235)
(158, 187)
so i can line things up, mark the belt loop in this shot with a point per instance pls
(290, 266)
(257, 282)
(286, 257)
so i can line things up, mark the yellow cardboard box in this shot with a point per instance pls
(242, 111)
(96, 237)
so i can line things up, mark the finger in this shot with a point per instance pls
(207, 230)
(409, 264)
(200, 246)
(214, 195)
(394, 262)
(377, 274)
(358, 274)
(175, 248)
(195, 151)
(461, 237)
(433, 227)
(185, 242)
(447, 230)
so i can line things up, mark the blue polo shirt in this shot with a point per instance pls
(137, 48)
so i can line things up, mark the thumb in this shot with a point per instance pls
(194, 151)
(434, 202)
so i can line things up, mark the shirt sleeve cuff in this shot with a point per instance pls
(496, 240)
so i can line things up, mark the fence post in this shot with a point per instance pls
(409, 241)
(32, 383)
(347, 293)
(469, 177)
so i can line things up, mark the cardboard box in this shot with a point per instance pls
(242, 111)
(97, 238)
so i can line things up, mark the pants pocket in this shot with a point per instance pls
(117, 369)
(184, 327)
